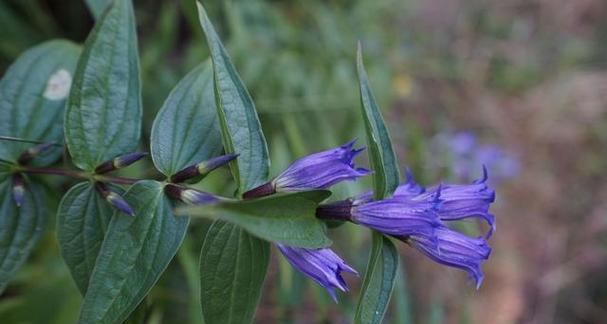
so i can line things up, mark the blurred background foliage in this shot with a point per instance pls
(518, 85)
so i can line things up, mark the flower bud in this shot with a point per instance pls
(18, 189)
(114, 199)
(202, 169)
(119, 162)
(34, 152)
(190, 196)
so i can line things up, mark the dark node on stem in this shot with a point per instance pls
(114, 199)
(33, 152)
(18, 189)
(265, 189)
(338, 210)
(119, 162)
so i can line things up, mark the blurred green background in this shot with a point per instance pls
(518, 85)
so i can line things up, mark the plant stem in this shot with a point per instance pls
(79, 175)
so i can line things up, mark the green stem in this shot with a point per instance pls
(79, 175)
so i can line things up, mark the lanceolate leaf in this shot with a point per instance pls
(378, 282)
(82, 220)
(20, 228)
(103, 117)
(241, 130)
(133, 255)
(97, 6)
(233, 266)
(383, 161)
(33, 93)
(289, 219)
(186, 129)
(383, 261)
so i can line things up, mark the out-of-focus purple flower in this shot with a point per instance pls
(463, 142)
(315, 171)
(34, 151)
(190, 196)
(119, 162)
(454, 249)
(18, 189)
(321, 265)
(202, 169)
(400, 216)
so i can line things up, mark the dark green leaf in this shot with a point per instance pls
(134, 253)
(289, 219)
(103, 118)
(233, 266)
(82, 220)
(20, 228)
(381, 155)
(97, 6)
(241, 130)
(32, 97)
(378, 281)
(186, 129)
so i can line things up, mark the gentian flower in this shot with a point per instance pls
(454, 249)
(202, 169)
(119, 162)
(315, 171)
(18, 190)
(190, 196)
(400, 216)
(114, 199)
(321, 265)
(409, 188)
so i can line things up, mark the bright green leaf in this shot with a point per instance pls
(233, 266)
(378, 282)
(381, 155)
(186, 129)
(103, 117)
(135, 252)
(241, 130)
(33, 93)
(82, 220)
(20, 228)
(289, 219)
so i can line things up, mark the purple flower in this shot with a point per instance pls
(461, 201)
(463, 142)
(400, 216)
(409, 188)
(18, 190)
(315, 171)
(119, 203)
(454, 249)
(202, 169)
(321, 265)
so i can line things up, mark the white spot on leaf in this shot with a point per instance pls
(58, 85)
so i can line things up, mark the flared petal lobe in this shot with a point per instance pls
(454, 249)
(321, 265)
(320, 170)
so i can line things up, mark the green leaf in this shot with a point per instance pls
(241, 130)
(33, 93)
(383, 161)
(378, 282)
(135, 252)
(186, 129)
(289, 219)
(82, 220)
(233, 266)
(20, 228)
(103, 117)
(97, 7)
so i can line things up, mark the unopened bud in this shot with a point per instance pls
(34, 152)
(114, 199)
(190, 196)
(119, 162)
(202, 169)
(18, 190)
